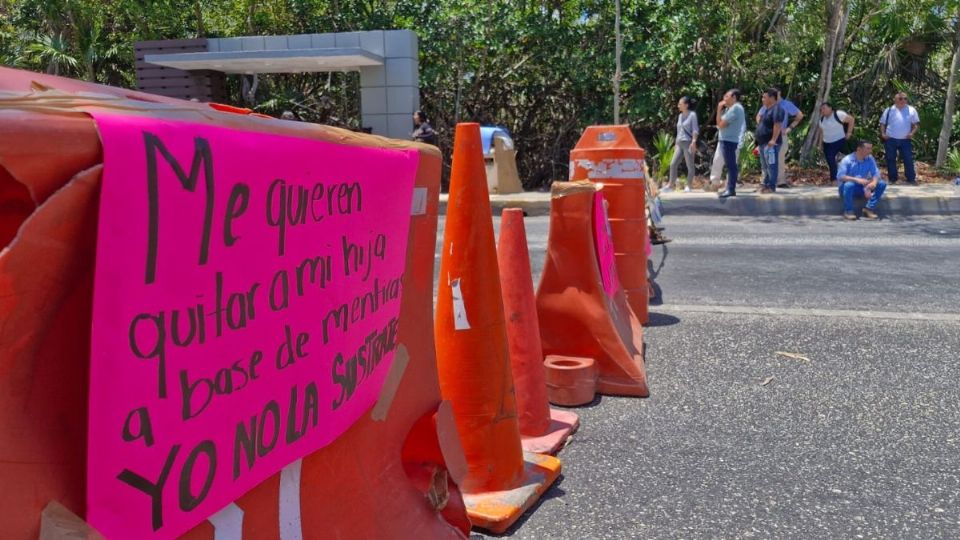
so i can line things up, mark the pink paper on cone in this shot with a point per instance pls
(603, 239)
(247, 292)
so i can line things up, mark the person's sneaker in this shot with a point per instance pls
(850, 216)
(726, 193)
(869, 214)
(912, 183)
(785, 185)
(686, 189)
(765, 191)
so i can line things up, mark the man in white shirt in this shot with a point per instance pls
(836, 126)
(897, 127)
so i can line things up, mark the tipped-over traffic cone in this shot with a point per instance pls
(582, 308)
(542, 429)
(472, 359)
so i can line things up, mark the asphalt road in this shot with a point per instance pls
(861, 441)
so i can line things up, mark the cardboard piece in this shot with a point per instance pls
(364, 484)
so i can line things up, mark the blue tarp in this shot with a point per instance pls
(486, 136)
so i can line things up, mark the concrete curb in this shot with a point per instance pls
(904, 201)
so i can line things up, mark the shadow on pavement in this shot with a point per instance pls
(661, 319)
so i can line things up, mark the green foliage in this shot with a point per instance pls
(953, 161)
(541, 69)
(665, 147)
(746, 161)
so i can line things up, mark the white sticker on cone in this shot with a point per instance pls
(418, 206)
(227, 523)
(290, 524)
(460, 321)
(621, 169)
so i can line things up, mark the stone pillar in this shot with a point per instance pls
(389, 94)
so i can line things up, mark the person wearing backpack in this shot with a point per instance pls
(687, 130)
(836, 128)
(898, 124)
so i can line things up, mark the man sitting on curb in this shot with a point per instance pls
(858, 176)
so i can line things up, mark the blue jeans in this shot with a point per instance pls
(730, 160)
(849, 190)
(905, 147)
(830, 151)
(770, 170)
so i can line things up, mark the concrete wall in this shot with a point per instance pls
(389, 92)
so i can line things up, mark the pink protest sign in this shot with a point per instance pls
(246, 304)
(604, 243)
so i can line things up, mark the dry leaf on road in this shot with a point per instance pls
(795, 356)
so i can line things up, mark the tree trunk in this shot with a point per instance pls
(948, 108)
(617, 73)
(837, 13)
(198, 14)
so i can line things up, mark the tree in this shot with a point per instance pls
(53, 51)
(837, 13)
(617, 73)
(943, 144)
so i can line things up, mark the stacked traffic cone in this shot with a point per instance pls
(581, 305)
(610, 155)
(542, 429)
(472, 358)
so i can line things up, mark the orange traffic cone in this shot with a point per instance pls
(611, 155)
(582, 307)
(542, 429)
(472, 359)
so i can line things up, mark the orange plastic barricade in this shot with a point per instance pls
(610, 154)
(542, 429)
(474, 365)
(392, 474)
(577, 315)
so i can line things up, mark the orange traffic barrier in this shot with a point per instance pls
(542, 429)
(571, 381)
(583, 311)
(610, 154)
(392, 474)
(474, 365)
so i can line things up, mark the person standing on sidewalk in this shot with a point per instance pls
(859, 176)
(731, 120)
(769, 136)
(687, 130)
(898, 124)
(716, 167)
(836, 128)
(792, 120)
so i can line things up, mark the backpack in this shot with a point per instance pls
(835, 116)
(886, 115)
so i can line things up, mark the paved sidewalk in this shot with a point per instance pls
(900, 200)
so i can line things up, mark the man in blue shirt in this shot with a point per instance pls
(731, 121)
(790, 123)
(769, 137)
(858, 176)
